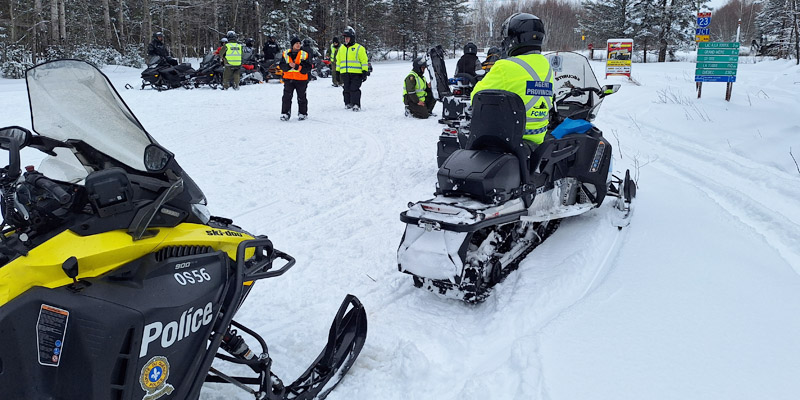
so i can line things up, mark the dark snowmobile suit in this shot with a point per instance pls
(271, 50)
(157, 48)
(468, 64)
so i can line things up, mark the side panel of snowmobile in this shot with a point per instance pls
(484, 175)
(445, 147)
(101, 253)
(590, 164)
(133, 333)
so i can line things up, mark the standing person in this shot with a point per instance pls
(271, 49)
(417, 94)
(296, 66)
(469, 63)
(353, 65)
(248, 47)
(222, 43)
(313, 55)
(525, 72)
(231, 55)
(335, 76)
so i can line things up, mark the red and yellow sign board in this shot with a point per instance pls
(618, 60)
(702, 38)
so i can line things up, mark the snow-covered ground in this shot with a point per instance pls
(699, 298)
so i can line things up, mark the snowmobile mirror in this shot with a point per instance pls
(20, 134)
(610, 89)
(156, 158)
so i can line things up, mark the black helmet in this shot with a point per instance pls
(306, 42)
(335, 39)
(522, 32)
(470, 48)
(157, 34)
(492, 50)
(349, 32)
(249, 42)
(231, 36)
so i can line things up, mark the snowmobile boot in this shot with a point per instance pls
(285, 117)
(348, 106)
(302, 117)
(356, 107)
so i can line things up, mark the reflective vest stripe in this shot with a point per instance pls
(292, 73)
(535, 99)
(419, 89)
(346, 64)
(233, 54)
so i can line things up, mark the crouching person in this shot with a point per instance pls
(417, 94)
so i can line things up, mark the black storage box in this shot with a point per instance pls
(486, 176)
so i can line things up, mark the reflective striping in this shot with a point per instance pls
(535, 99)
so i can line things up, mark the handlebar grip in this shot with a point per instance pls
(56, 190)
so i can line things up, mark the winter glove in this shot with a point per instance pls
(364, 77)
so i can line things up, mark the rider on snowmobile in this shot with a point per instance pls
(525, 72)
(469, 63)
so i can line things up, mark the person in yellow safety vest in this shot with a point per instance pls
(525, 72)
(336, 78)
(296, 66)
(417, 94)
(353, 65)
(231, 55)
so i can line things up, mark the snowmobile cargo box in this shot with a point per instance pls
(486, 176)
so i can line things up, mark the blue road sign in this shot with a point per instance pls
(714, 78)
(702, 31)
(703, 22)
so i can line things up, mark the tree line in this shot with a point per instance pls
(117, 31)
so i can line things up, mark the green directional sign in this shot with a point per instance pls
(717, 52)
(703, 65)
(719, 45)
(722, 59)
(700, 71)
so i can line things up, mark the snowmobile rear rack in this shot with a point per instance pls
(480, 224)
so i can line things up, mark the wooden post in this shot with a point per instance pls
(728, 91)
(699, 89)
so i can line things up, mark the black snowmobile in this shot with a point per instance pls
(165, 73)
(272, 69)
(496, 200)
(251, 71)
(115, 280)
(210, 72)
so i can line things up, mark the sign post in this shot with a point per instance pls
(618, 58)
(717, 62)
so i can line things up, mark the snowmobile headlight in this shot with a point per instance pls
(156, 75)
(201, 212)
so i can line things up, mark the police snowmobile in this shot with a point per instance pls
(115, 280)
(496, 199)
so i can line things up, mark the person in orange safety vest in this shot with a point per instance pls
(296, 66)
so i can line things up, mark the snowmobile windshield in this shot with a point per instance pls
(73, 100)
(573, 70)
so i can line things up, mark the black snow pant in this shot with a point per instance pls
(352, 89)
(419, 111)
(289, 87)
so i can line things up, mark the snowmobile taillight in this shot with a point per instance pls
(450, 131)
(30, 168)
(457, 91)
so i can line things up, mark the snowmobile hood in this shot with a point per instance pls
(73, 100)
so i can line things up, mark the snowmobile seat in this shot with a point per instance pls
(498, 123)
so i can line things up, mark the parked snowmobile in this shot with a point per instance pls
(115, 280)
(210, 72)
(321, 69)
(251, 70)
(273, 69)
(496, 200)
(163, 74)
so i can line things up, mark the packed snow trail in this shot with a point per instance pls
(697, 298)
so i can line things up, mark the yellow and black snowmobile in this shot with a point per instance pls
(115, 280)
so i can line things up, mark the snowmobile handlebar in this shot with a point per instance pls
(37, 179)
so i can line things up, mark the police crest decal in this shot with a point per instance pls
(153, 378)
